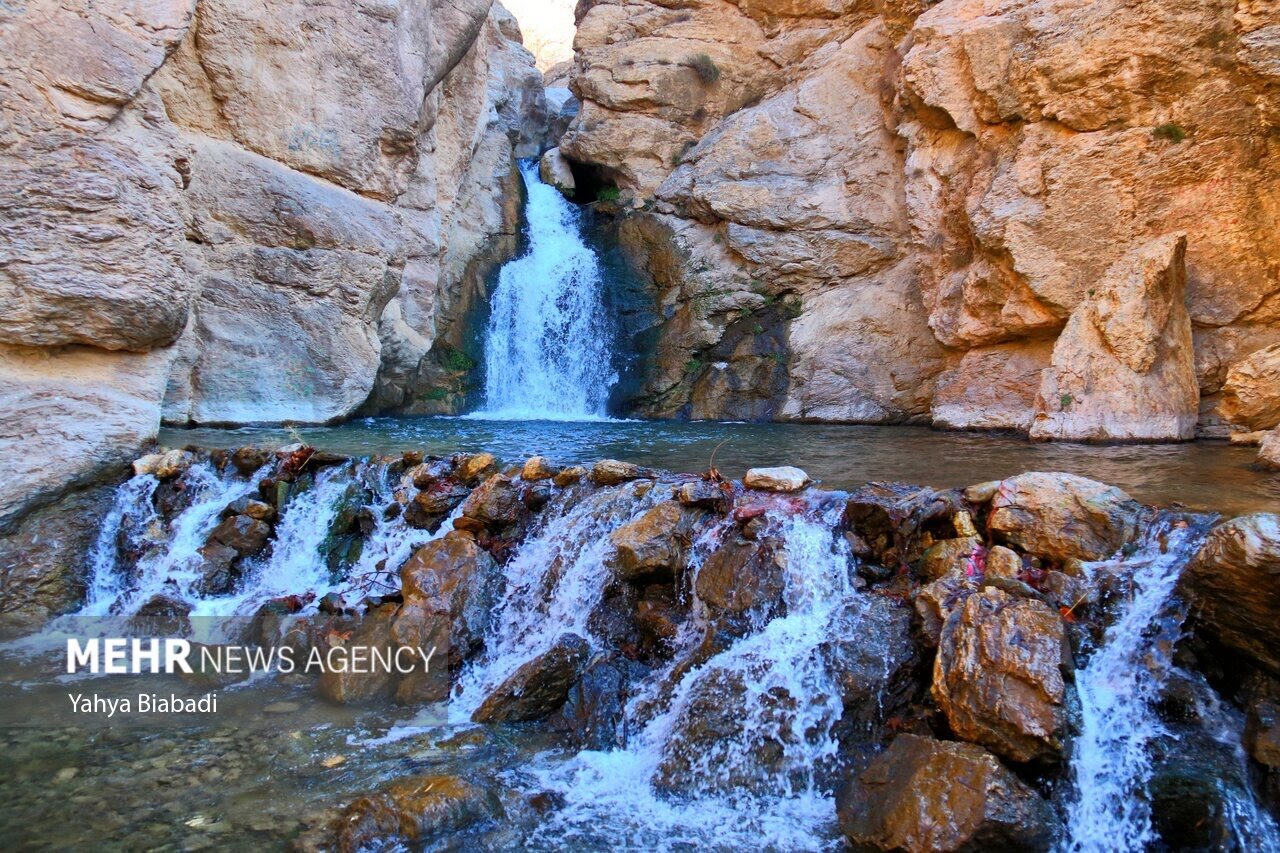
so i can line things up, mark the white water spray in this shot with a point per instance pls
(547, 353)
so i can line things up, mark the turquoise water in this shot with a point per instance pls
(1203, 475)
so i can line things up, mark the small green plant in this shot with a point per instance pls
(1093, 291)
(780, 358)
(435, 394)
(757, 329)
(457, 361)
(706, 69)
(608, 194)
(692, 366)
(792, 308)
(1065, 401)
(1170, 132)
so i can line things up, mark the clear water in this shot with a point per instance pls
(547, 346)
(1202, 475)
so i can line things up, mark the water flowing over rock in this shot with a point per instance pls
(926, 795)
(547, 347)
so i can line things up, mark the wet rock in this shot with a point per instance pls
(536, 495)
(963, 556)
(1269, 451)
(569, 476)
(242, 534)
(611, 472)
(1232, 585)
(982, 493)
(936, 601)
(894, 518)
(1200, 794)
(1003, 563)
(702, 493)
(454, 577)
(348, 684)
(999, 675)
(472, 469)
(412, 810)
(538, 687)
(555, 171)
(1062, 516)
(538, 468)
(434, 501)
(426, 631)
(783, 479)
(248, 460)
(742, 576)
(165, 465)
(162, 616)
(653, 544)
(875, 679)
(925, 795)
(253, 508)
(218, 575)
(493, 505)
(596, 706)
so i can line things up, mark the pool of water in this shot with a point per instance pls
(1203, 475)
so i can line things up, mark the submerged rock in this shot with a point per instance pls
(538, 687)
(411, 810)
(1232, 585)
(784, 479)
(999, 675)
(1062, 516)
(923, 795)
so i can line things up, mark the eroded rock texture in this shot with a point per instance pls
(232, 211)
(907, 209)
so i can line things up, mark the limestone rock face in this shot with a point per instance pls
(1269, 452)
(998, 675)
(935, 192)
(232, 211)
(925, 795)
(1232, 584)
(1251, 393)
(1123, 368)
(554, 170)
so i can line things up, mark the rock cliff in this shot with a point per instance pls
(223, 211)
(918, 211)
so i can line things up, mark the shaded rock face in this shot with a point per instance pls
(202, 223)
(538, 687)
(941, 192)
(1232, 586)
(999, 675)
(926, 795)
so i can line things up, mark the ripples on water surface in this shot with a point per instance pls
(1203, 475)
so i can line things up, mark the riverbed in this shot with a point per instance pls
(1203, 475)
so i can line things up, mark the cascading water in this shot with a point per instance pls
(1111, 766)
(789, 699)
(547, 348)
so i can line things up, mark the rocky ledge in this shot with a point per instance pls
(969, 613)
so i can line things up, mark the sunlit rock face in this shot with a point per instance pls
(236, 212)
(994, 165)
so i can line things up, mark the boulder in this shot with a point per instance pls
(425, 631)
(241, 533)
(247, 460)
(569, 476)
(611, 472)
(922, 795)
(999, 676)
(1251, 392)
(555, 171)
(964, 556)
(784, 479)
(494, 504)
(472, 469)
(537, 468)
(1232, 585)
(539, 686)
(411, 809)
(454, 577)
(1123, 369)
(347, 684)
(1269, 451)
(162, 616)
(1062, 516)
(654, 543)
(703, 493)
(165, 465)
(1003, 563)
(740, 577)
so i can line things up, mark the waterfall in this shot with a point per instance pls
(1111, 764)
(553, 585)
(547, 347)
